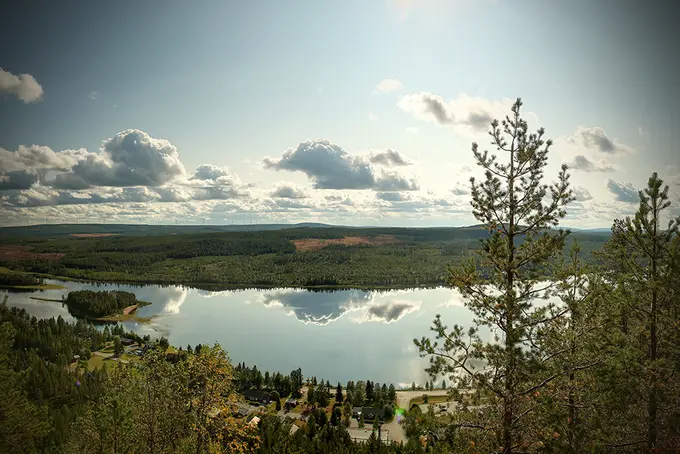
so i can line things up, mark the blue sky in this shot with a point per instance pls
(212, 95)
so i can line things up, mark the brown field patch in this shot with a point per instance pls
(10, 252)
(314, 244)
(92, 235)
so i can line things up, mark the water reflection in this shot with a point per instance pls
(339, 335)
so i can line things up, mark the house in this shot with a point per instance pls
(371, 413)
(126, 341)
(258, 396)
(76, 358)
(290, 403)
(368, 413)
(253, 422)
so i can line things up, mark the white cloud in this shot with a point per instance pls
(23, 86)
(581, 194)
(93, 95)
(392, 196)
(623, 192)
(328, 166)
(412, 130)
(130, 158)
(289, 191)
(584, 164)
(467, 113)
(460, 189)
(595, 139)
(388, 158)
(372, 116)
(388, 85)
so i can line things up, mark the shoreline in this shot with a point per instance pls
(216, 286)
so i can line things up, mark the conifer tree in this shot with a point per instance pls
(641, 255)
(500, 286)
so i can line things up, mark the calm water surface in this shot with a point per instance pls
(339, 336)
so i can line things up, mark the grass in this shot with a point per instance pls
(95, 362)
(430, 400)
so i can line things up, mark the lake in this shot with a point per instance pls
(338, 336)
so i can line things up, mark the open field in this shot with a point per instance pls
(9, 252)
(314, 244)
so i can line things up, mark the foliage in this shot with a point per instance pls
(9, 279)
(510, 201)
(95, 304)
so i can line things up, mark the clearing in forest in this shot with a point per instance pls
(314, 244)
(10, 252)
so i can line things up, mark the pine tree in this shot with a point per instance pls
(338, 393)
(500, 286)
(642, 253)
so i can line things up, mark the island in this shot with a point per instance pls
(106, 305)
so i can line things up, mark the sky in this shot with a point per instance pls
(360, 112)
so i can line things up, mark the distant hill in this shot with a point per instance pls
(47, 231)
(61, 230)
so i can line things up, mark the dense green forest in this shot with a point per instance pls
(415, 257)
(13, 279)
(89, 303)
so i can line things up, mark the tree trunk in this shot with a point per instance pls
(653, 403)
(508, 398)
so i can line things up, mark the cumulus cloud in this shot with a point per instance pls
(28, 165)
(460, 190)
(23, 86)
(130, 158)
(596, 139)
(388, 85)
(466, 111)
(581, 194)
(130, 167)
(584, 164)
(35, 157)
(623, 192)
(392, 196)
(331, 167)
(389, 157)
(287, 191)
(17, 180)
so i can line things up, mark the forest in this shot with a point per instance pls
(102, 303)
(415, 257)
(14, 279)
